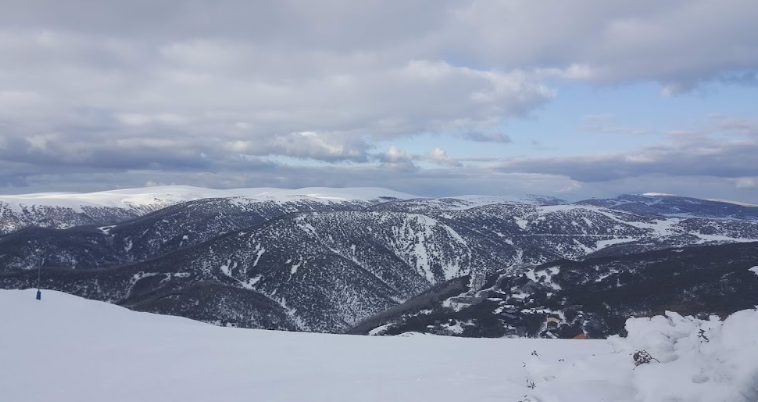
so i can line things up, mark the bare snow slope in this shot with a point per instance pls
(69, 349)
(64, 348)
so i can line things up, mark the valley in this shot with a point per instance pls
(331, 261)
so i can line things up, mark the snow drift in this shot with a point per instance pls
(695, 360)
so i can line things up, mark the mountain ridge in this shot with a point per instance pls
(326, 265)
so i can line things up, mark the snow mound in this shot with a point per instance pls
(695, 360)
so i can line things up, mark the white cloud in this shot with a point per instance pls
(439, 156)
(746, 182)
(395, 155)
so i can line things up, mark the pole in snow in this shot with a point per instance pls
(39, 277)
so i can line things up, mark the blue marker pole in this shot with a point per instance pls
(39, 281)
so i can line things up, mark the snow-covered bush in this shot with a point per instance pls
(698, 360)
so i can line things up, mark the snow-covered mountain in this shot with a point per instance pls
(64, 348)
(65, 210)
(325, 259)
(592, 297)
(670, 205)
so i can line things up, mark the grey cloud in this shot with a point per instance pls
(172, 88)
(586, 39)
(729, 124)
(305, 145)
(677, 43)
(744, 78)
(729, 160)
(606, 124)
(478, 136)
(423, 182)
(246, 95)
(286, 23)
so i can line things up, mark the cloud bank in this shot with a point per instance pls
(115, 93)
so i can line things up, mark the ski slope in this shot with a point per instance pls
(64, 348)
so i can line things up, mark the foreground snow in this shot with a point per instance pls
(64, 348)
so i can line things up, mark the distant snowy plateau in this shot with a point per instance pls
(375, 261)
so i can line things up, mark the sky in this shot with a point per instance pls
(577, 99)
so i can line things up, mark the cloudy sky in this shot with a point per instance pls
(432, 97)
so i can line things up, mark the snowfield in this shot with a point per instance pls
(64, 348)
